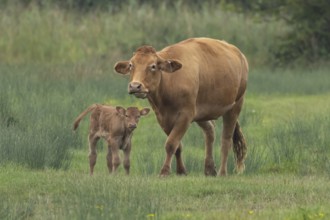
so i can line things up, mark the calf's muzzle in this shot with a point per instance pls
(132, 126)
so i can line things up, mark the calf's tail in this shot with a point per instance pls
(78, 119)
(239, 148)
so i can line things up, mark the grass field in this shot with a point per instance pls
(287, 175)
(48, 77)
(74, 195)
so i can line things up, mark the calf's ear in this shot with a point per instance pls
(122, 67)
(121, 110)
(145, 111)
(170, 66)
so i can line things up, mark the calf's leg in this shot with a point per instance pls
(126, 162)
(113, 144)
(92, 152)
(109, 159)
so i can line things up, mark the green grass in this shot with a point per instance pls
(75, 195)
(52, 35)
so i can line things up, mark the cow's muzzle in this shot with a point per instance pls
(135, 88)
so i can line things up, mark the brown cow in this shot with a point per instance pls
(196, 80)
(115, 125)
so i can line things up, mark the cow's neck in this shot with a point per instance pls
(157, 100)
(156, 97)
(154, 100)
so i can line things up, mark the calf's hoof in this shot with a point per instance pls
(181, 172)
(165, 171)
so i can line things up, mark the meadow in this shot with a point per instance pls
(55, 63)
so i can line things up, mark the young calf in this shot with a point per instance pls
(115, 125)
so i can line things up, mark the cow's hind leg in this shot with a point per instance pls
(92, 151)
(229, 124)
(180, 168)
(209, 135)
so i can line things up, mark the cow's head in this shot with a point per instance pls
(132, 115)
(145, 69)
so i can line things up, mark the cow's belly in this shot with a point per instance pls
(205, 112)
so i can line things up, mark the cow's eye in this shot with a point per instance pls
(130, 66)
(153, 67)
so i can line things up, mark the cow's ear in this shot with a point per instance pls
(121, 110)
(122, 67)
(145, 111)
(170, 66)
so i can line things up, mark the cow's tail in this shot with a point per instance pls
(78, 119)
(239, 148)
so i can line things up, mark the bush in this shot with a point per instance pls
(308, 37)
(34, 128)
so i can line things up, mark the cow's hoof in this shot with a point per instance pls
(222, 173)
(210, 172)
(240, 167)
(210, 169)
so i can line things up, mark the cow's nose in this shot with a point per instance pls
(134, 87)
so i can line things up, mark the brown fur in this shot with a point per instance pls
(115, 125)
(146, 49)
(196, 80)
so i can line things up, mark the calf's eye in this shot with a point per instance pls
(153, 67)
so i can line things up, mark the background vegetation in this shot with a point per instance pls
(57, 58)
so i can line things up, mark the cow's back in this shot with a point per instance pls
(213, 74)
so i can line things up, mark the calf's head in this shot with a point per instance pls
(145, 69)
(132, 115)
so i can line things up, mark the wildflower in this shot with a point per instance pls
(99, 206)
(151, 215)
(251, 212)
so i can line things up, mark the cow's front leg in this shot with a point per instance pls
(173, 142)
(180, 168)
